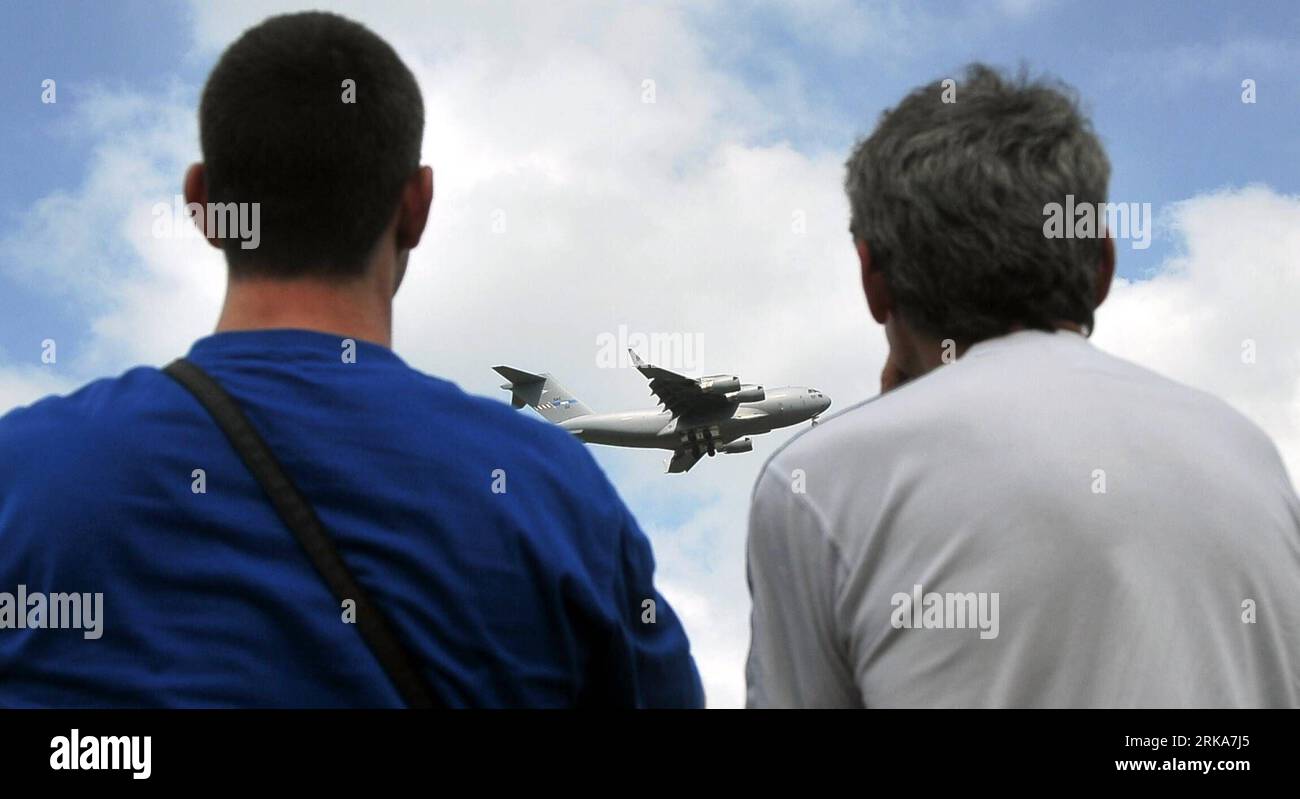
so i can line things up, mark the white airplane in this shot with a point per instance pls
(698, 416)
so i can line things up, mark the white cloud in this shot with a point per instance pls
(893, 28)
(94, 246)
(665, 217)
(1236, 281)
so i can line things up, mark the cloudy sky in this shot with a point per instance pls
(662, 168)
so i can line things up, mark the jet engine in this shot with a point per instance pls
(737, 447)
(748, 394)
(720, 384)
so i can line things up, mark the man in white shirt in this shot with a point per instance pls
(1020, 519)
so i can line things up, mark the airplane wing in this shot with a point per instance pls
(684, 459)
(679, 394)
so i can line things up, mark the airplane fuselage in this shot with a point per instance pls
(781, 407)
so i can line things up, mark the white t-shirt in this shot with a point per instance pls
(1036, 524)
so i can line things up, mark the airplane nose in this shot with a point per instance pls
(826, 402)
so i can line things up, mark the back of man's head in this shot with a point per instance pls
(325, 159)
(949, 197)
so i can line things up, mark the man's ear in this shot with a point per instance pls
(880, 300)
(1105, 269)
(196, 193)
(413, 209)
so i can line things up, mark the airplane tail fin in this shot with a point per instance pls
(542, 393)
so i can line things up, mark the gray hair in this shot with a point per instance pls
(950, 197)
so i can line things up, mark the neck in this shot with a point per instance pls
(917, 354)
(359, 308)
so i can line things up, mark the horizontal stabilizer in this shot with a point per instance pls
(518, 376)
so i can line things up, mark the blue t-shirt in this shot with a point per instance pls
(492, 541)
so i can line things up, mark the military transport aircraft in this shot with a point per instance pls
(700, 416)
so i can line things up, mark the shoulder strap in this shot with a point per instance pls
(300, 517)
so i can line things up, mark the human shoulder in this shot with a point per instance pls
(491, 434)
(91, 409)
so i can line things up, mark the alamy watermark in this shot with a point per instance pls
(1069, 220)
(680, 351)
(239, 221)
(74, 751)
(951, 611)
(23, 610)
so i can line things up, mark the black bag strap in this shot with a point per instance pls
(301, 518)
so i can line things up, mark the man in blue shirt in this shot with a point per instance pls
(504, 560)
